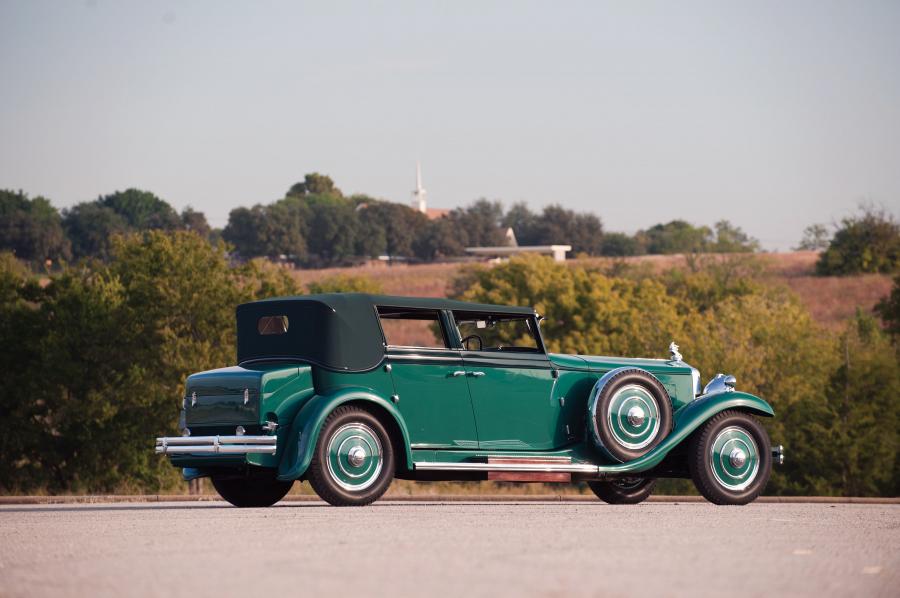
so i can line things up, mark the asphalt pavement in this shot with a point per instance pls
(450, 549)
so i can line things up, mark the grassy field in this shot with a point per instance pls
(830, 299)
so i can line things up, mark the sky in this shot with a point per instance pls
(773, 115)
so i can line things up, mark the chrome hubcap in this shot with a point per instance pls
(737, 458)
(356, 456)
(636, 416)
(734, 458)
(633, 417)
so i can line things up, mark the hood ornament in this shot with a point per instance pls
(673, 352)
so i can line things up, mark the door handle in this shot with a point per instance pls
(476, 374)
(458, 373)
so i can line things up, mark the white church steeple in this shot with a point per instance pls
(419, 194)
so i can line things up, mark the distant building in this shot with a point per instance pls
(557, 251)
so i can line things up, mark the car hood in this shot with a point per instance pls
(590, 363)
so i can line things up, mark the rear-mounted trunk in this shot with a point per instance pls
(224, 397)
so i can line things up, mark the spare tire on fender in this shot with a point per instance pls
(629, 413)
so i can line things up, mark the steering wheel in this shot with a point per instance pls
(466, 340)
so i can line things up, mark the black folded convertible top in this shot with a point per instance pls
(337, 331)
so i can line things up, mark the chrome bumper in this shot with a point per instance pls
(211, 445)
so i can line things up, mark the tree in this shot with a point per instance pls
(863, 395)
(525, 224)
(439, 238)
(101, 354)
(676, 236)
(867, 242)
(91, 227)
(889, 309)
(195, 221)
(620, 244)
(31, 228)
(314, 184)
(395, 223)
(479, 224)
(556, 225)
(815, 238)
(731, 239)
(333, 230)
(142, 210)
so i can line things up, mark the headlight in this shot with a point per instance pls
(695, 376)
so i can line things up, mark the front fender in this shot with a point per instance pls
(304, 430)
(689, 418)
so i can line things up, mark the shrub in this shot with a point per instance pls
(867, 242)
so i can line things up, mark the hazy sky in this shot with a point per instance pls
(770, 114)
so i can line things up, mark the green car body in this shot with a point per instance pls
(452, 411)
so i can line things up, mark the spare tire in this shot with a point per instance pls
(629, 413)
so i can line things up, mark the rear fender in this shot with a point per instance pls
(689, 418)
(304, 431)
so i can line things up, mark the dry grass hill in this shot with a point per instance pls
(830, 299)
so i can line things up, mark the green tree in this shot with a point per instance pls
(889, 309)
(142, 210)
(195, 221)
(438, 238)
(731, 239)
(676, 236)
(524, 223)
(479, 224)
(102, 352)
(91, 227)
(397, 224)
(867, 242)
(314, 184)
(620, 245)
(556, 225)
(333, 231)
(31, 228)
(815, 238)
(864, 396)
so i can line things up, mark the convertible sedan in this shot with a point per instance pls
(350, 391)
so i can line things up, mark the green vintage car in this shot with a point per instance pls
(349, 391)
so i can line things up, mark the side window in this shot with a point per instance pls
(497, 332)
(412, 328)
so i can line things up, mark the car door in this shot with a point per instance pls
(429, 379)
(511, 382)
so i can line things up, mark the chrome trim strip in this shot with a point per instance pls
(231, 445)
(529, 467)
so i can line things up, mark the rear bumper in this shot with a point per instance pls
(212, 445)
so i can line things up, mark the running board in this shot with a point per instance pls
(513, 464)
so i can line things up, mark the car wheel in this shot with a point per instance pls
(629, 414)
(626, 491)
(353, 464)
(252, 491)
(730, 458)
